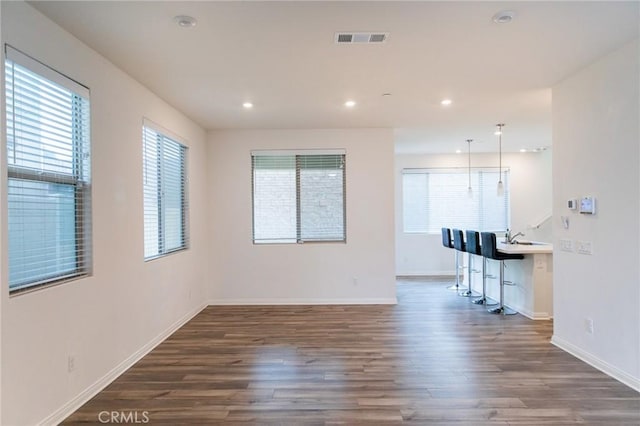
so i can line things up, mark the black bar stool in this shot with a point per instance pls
(448, 243)
(490, 251)
(474, 249)
(459, 245)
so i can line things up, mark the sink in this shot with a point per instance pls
(530, 243)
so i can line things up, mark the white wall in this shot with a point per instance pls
(303, 273)
(596, 134)
(106, 319)
(530, 174)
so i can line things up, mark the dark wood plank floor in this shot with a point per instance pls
(433, 359)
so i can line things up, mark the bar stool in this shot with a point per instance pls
(459, 245)
(448, 243)
(490, 251)
(474, 249)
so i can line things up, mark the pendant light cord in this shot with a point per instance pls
(500, 139)
(469, 150)
(500, 148)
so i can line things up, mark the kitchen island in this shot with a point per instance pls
(532, 294)
(532, 291)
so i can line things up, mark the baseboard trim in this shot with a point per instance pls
(605, 367)
(536, 316)
(71, 406)
(401, 273)
(305, 301)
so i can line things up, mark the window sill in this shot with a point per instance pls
(32, 288)
(169, 253)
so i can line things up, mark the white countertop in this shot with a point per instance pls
(525, 248)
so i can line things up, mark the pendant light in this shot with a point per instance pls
(469, 190)
(499, 133)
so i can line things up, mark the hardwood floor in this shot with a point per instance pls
(433, 359)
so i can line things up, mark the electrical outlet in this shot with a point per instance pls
(588, 325)
(355, 281)
(566, 245)
(584, 247)
(71, 363)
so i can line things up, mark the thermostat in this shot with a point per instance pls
(588, 205)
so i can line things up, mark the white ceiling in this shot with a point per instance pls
(282, 57)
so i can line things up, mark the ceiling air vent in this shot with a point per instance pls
(377, 38)
(345, 38)
(352, 38)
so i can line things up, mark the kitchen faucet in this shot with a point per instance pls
(512, 239)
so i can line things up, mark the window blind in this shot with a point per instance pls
(165, 193)
(298, 197)
(48, 165)
(434, 198)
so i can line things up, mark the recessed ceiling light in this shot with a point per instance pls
(458, 151)
(523, 150)
(350, 104)
(185, 21)
(445, 102)
(247, 105)
(504, 17)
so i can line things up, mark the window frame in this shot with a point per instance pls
(162, 137)
(79, 179)
(298, 154)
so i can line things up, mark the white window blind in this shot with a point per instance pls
(434, 198)
(165, 193)
(48, 165)
(298, 197)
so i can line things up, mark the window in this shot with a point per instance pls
(165, 194)
(434, 198)
(298, 196)
(48, 168)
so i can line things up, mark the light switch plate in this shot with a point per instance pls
(566, 245)
(584, 247)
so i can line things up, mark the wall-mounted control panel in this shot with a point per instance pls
(588, 205)
(584, 205)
